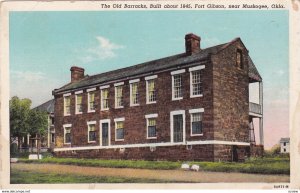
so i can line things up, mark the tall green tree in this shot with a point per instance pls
(19, 112)
(24, 120)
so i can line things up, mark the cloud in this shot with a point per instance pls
(210, 41)
(28, 76)
(105, 49)
(33, 85)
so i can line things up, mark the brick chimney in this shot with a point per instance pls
(77, 73)
(192, 43)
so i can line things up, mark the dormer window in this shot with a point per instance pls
(239, 59)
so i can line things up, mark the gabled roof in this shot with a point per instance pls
(284, 140)
(47, 106)
(151, 67)
(252, 72)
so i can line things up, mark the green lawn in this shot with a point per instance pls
(259, 165)
(28, 177)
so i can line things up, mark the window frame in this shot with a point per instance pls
(147, 79)
(193, 111)
(88, 124)
(177, 73)
(151, 116)
(191, 70)
(102, 88)
(76, 102)
(119, 85)
(65, 128)
(122, 119)
(68, 95)
(131, 82)
(91, 91)
(241, 64)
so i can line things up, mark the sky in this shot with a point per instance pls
(44, 45)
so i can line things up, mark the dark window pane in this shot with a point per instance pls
(68, 138)
(120, 133)
(92, 135)
(178, 128)
(197, 127)
(151, 131)
(104, 134)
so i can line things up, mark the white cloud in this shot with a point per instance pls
(33, 85)
(105, 49)
(28, 76)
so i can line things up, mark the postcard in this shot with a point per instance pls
(150, 94)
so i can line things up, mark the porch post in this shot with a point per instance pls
(261, 125)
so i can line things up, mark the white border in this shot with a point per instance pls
(173, 94)
(147, 93)
(206, 142)
(67, 95)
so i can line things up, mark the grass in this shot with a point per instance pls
(28, 177)
(139, 164)
(276, 165)
(257, 165)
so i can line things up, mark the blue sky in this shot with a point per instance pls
(44, 45)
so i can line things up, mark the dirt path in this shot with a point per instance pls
(172, 175)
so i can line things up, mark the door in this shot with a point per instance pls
(104, 136)
(178, 128)
(235, 157)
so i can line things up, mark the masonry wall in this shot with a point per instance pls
(230, 95)
(173, 153)
(135, 122)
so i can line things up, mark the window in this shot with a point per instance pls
(52, 120)
(119, 129)
(196, 87)
(284, 150)
(134, 94)
(151, 126)
(79, 103)
(67, 105)
(196, 121)
(52, 137)
(92, 131)
(104, 99)
(119, 96)
(239, 59)
(91, 100)
(177, 84)
(284, 143)
(150, 89)
(67, 134)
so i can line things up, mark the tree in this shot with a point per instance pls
(24, 120)
(19, 112)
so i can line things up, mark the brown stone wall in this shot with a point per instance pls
(172, 153)
(135, 122)
(231, 95)
(224, 153)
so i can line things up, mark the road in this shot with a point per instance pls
(172, 175)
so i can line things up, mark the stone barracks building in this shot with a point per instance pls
(190, 106)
